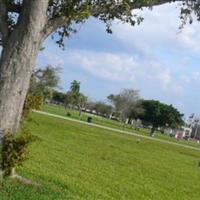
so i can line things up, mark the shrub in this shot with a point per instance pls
(68, 114)
(32, 101)
(14, 150)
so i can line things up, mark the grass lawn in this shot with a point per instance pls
(56, 109)
(76, 161)
(59, 110)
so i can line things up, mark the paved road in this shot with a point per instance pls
(117, 130)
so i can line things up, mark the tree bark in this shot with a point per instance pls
(16, 62)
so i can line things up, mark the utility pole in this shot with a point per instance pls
(196, 125)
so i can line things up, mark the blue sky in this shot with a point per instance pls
(155, 57)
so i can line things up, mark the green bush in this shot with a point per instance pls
(32, 101)
(14, 150)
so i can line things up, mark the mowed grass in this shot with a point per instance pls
(60, 110)
(76, 161)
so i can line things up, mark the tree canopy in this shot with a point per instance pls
(75, 86)
(63, 14)
(102, 108)
(43, 81)
(126, 103)
(58, 97)
(159, 114)
(74, 97)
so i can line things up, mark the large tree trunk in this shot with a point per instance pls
(15, 69)
(17, 60)
(152, 131)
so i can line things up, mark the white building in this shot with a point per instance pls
(181, 133)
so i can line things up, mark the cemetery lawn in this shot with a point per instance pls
(60, 110)
(75, 161)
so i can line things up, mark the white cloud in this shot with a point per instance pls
(53, 59)
(114, 67)
(177, 90)
(124, 68)
(195, 76)
(186, 78)
(169, 85)
(191, 77)
(160, 29)
(165, 77)
(189, 38)
(121, 68)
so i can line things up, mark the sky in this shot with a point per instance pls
(155, 57)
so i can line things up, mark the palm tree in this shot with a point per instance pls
(75, 86)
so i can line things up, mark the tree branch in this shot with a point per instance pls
(57, 22)
(3, 21)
